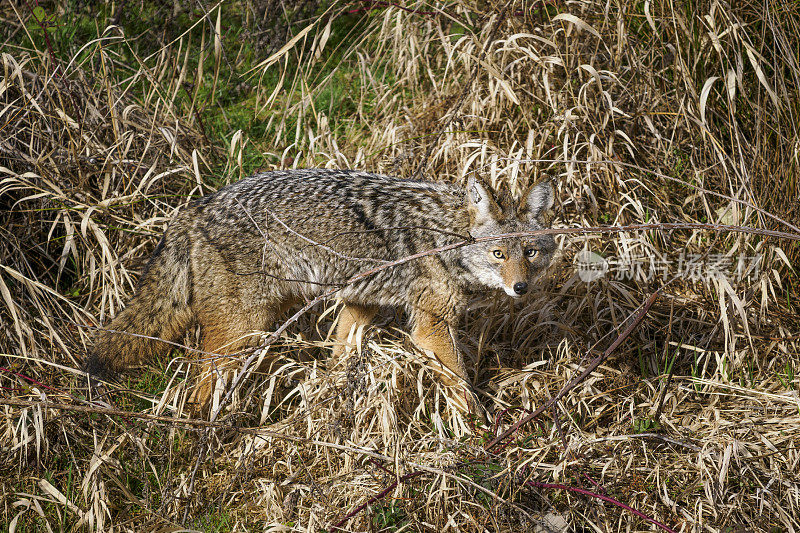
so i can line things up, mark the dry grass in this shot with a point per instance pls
(662, 111)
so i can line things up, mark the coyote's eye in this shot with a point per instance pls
(498, 254)
(531, 252)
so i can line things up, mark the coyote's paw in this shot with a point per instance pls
(467, 402)
(477, 409)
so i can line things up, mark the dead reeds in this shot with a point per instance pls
(643, 113)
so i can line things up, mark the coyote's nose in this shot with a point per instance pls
(520, 287)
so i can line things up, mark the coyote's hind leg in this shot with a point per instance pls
(225, 332)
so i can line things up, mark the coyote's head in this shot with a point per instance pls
(511, 263)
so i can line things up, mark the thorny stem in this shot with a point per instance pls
(375, 498)
(580, 377)
(44, 27)
(35, 382)
(608, 499)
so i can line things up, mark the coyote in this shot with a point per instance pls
(235, 260)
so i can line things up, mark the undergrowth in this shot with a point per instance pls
(114, 115)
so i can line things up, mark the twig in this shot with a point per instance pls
(559, 427)
(608, 499)
(110, 411)
(671, 365)
(375, 498)
(320, 245)
(657, 436)
(583, 375)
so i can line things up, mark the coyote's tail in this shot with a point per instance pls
(159, 311)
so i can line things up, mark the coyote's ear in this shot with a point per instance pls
(482, 207)
(538, 200)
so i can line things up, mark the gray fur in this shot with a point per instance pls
(234, 259)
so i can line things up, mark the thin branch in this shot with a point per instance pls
(656, 436)
(320, 245)
(375, 498)
(608, 499)
(580, 377)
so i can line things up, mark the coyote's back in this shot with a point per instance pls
(233, 261)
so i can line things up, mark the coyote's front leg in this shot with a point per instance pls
(352, 317)
(436, 334)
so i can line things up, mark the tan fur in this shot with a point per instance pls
(351, 317)
(235, 260)
(515, 268)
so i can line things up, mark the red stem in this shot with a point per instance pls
(375, 498)
(46, 37)
(39, 383)
(377, 5)
(608, 499)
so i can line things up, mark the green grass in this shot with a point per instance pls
(388, 517)
(214, 522)
(228, 103)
